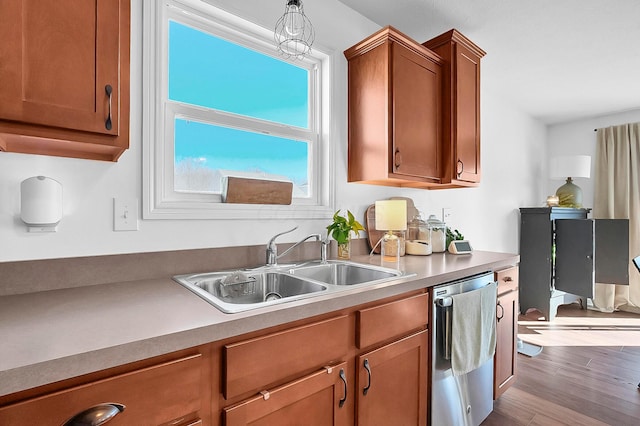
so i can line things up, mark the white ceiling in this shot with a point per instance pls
(558, 60)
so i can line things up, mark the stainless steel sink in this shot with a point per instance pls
(231, 292)
(343, 273)
(238, 291)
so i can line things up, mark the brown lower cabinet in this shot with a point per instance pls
(392, 383)
(504, 371)
(365, 365)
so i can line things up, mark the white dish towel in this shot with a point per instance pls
(473, 329)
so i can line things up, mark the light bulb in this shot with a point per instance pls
(294, 22)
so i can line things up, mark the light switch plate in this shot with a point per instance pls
(447, 215)
(125, 214)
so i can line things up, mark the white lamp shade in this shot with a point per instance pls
(573, 166)
(391, 215)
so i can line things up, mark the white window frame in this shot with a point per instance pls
(160, 201)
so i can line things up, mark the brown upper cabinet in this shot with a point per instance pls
(64, 68)
(461, 102)
(395, 111)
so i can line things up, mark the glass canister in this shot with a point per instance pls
(417, 229)
(438, 231)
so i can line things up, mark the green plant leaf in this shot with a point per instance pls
(342, 227)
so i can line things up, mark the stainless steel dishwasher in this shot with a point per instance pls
(464, 400)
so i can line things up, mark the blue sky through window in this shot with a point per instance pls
(219, 147)
(208, 71)
(205, 70)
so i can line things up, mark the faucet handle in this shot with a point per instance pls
(272, 248)
(273, 239)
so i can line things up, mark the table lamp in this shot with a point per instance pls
(391, 216)
(569, 167)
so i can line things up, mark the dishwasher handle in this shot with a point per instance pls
(444, 308)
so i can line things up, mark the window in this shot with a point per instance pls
(219, 101)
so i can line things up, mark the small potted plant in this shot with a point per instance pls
(341, 229)
(453, 236)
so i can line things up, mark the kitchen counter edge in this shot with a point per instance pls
(131, 324)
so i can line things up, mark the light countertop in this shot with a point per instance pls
(54, 335)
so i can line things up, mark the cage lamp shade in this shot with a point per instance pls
(391, 215)
(294, 34)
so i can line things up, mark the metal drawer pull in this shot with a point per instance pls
(499, 317)
(344, 380)
(507, 279)
(461, 167)
(397, 159)
(368, 368)
(109, 90)
(96, 415)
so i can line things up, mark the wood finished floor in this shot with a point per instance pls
(587, 373)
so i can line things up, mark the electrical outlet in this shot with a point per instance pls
(447, 215)
(125, 214)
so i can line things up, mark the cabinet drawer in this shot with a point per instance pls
(254, 364)
(315, 399)
(151, 396)
(507, 279)
(392, 319)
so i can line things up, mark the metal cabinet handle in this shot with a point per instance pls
(96, 415)
(501, 311)
(368, 368)
(507, 279)
(397, 158)
(344, 381)
(109, 90)
(461, 167)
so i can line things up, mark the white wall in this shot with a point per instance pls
(513, 153)
(579, 138)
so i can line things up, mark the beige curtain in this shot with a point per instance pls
(617, 196)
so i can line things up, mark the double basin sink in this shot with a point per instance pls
(237, 291)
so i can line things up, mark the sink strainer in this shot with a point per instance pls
(272, 296)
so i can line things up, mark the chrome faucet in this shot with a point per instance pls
(272, 248)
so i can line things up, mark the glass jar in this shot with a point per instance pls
(417, 229)
(438, 231)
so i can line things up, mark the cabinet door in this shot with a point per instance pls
(612, 251)
(461, 150)
(392, 383)
(536, 268)
(590, 251)
(504, 370)
(59, 59)
(467, 115)
(574, 273)
(417, 115)
(316, 399)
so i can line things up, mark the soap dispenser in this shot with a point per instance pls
(41, 203)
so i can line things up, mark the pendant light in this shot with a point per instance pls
(294, 33)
